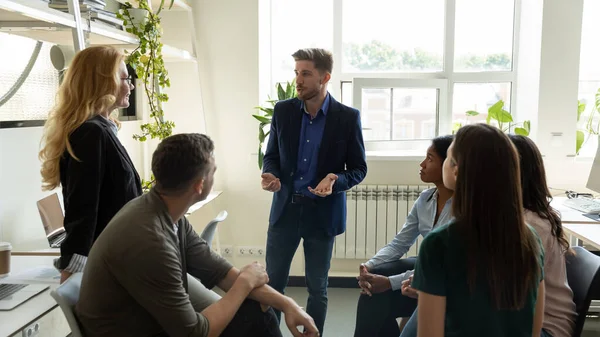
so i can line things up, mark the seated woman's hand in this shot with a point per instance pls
(407, 290)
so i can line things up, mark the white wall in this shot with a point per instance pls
(20, 183)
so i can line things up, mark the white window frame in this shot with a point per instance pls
(375, 83)
(416, 80)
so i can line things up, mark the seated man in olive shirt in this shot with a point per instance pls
(135, 279)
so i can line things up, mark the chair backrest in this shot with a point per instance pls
(209, 231)
(583, 275)
(67, 295)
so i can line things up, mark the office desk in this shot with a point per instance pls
(55, 252)
(588, 233)
(569, 215)
(15, 320)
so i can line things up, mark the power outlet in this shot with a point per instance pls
(226, 250)
(32, 331)
(255, 251)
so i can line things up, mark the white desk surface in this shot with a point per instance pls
(569, 215)
(22, 316)
(588, 233)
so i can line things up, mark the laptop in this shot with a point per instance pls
(12, 295)
(52, 219)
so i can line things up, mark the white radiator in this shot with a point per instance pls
(376, 213)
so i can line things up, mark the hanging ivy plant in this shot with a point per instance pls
(147, 61)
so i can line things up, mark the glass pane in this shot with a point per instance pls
(478, 97)
(589, 68)
(415, 113)
(587, 93)
(375, 114)
(285, 15)
(346, 98)
(392, 35)
(36, 96)
(484, 35)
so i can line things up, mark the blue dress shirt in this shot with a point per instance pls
(311, 133)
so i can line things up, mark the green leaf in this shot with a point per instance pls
(580, 138)
(497, 106)
(267, 111)
(261, 133)
(455, 127)
(580, 109)
(262, 119)
(290, 89)
(280, 92)
(521, 132)
(261, 157)
(494, 111)
(502, 116)
(527, 126)
(472, 113)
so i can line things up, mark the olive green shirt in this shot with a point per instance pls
(135, 279)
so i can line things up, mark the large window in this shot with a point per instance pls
(411, 67)
(589, 72)
(35, 97)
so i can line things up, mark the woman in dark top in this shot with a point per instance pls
(481, 274)
(82, 154)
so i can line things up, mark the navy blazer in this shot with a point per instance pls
(342, 152)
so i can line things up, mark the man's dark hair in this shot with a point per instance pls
(180, 159)
(323, 59)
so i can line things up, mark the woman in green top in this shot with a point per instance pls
(481, 274)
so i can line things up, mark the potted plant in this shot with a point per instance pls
(147, 61)
(266, 114)
(587, 127)
(503, 119)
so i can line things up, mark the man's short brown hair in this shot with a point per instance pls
(180, 159)
(323, 59)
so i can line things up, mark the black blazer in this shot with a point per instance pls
(95, 187)
(342, 152)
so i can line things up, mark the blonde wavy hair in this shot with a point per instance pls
(90, 86)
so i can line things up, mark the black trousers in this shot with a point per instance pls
(376, 315)
(251, 321)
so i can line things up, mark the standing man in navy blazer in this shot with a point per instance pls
(314, 154)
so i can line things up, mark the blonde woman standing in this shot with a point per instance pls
(81, 151)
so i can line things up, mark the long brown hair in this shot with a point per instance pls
(536, 195)
(90, 86)
(488, 209)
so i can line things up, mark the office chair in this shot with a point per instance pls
(209, 231)
(67, 295)
(583, 276)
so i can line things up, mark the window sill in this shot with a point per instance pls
(395, 155)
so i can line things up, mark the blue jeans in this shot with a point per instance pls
(283, 238)
(410, 329)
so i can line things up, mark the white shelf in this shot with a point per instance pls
(26, 10)
(35, 20)
(178, 5)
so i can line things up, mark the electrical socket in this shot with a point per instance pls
(32, 331)
(255, 251)
(226, 250)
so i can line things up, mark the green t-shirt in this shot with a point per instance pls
(441, 270)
